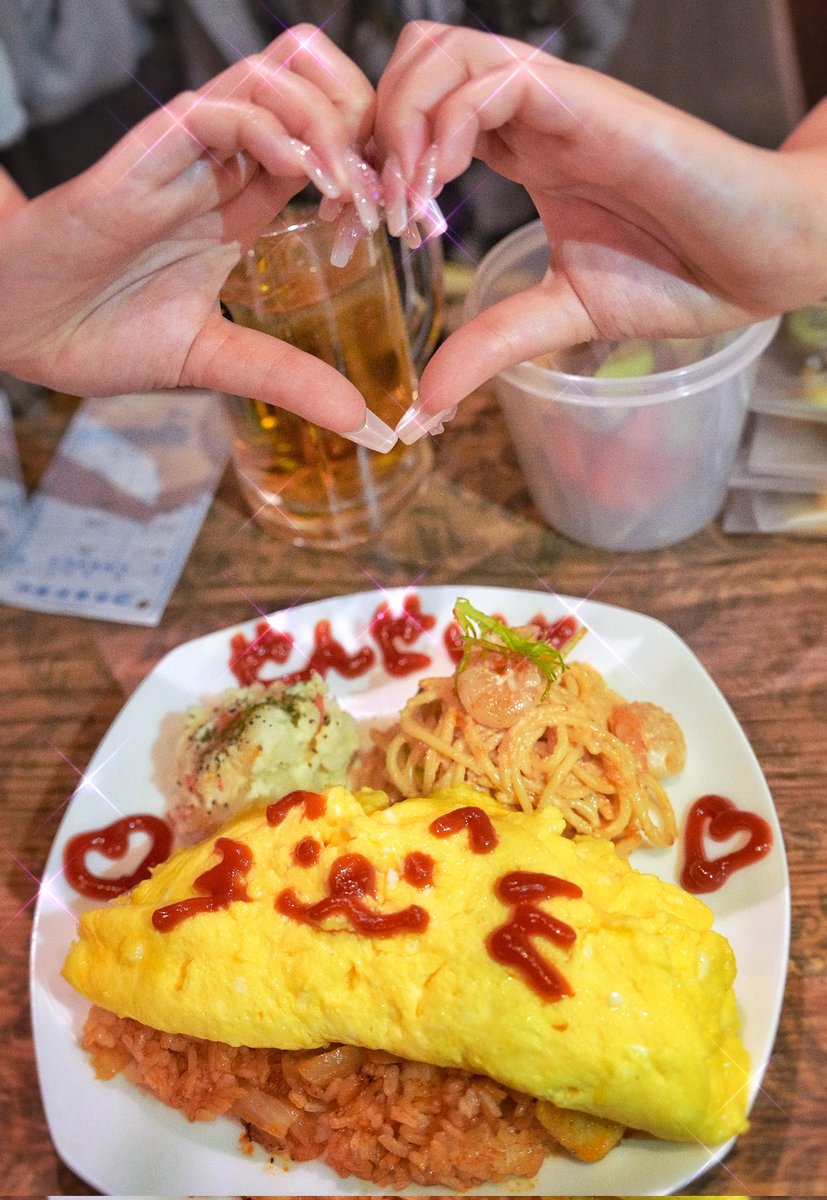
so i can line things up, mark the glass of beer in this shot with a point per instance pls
(376, 320)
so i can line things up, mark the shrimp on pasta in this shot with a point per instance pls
(502, 723)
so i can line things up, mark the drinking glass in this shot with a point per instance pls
(376, 320)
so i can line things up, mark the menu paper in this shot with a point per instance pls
(12, 491)
(110, 528)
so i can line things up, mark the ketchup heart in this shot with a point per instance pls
(113, 842)
(719, 818)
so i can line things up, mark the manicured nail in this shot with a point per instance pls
(423, 188)
(314, 168)
(330, 209)
(364, 183)
(411, 235)
(394, 196)
(432, 219)
(414, 424)
(349, 232)
(373, 433)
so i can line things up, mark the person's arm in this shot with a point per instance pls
(658, 223)
(109, 283)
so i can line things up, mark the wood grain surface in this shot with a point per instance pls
(751, 608)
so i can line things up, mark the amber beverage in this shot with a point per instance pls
(317, 487)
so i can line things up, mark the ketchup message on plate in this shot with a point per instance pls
(113, 842)
(721, 820)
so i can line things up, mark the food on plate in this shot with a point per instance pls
(256, 743)
(336, 974)
(518, 721)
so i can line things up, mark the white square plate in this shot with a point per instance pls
(122, 1141)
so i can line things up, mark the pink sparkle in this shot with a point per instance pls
(42, 888)
(267, 502)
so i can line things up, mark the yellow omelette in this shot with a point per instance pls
(447, 930)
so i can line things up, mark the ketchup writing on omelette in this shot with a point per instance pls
(220, 885)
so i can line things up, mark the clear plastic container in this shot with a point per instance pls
(624, 446)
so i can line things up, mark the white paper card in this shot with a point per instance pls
(114, 519)
(749, 511)
(787, 447)
(776, 512)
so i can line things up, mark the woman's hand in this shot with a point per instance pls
(658, 224)
(110, 283)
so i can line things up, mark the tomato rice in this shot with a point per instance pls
(364, 1113)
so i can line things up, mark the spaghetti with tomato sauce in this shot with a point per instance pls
(500, 724)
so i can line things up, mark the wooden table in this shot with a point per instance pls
(752, 608)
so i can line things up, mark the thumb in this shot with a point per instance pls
(245, 362)
(543, 318)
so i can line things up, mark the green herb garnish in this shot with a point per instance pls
(478, 630)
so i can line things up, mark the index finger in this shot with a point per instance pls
(306, 52)
(429, 63)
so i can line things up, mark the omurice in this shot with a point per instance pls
(440, 990)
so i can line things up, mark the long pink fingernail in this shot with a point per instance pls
(423, 188)
(411, 235)
(349, 232)
(373, 433)
(414, 424)
(394, 196)
(314, 168)
(364, 183)
(433, 220)
(330, 209)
